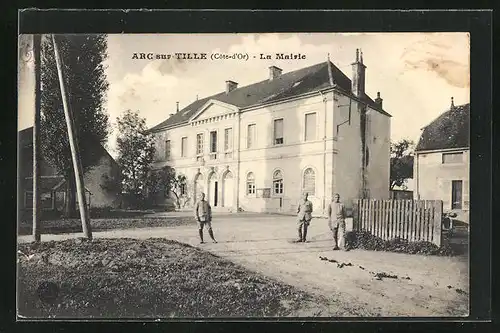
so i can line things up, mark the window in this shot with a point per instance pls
(167, 150)
(277, 182)
(250, 183)
(28, 199)
(199, 144)
(251, 136)
(309, 181)
(184, 147)
(456, 194)
(228, 139)
(310, 127)
(278, 131)
(213, 141)
(213, 145)
(452, 158)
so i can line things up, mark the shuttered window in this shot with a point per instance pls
(278, 131)
(199, 144)
(184, 147)
(228, 139)
(167, 150)
(213, 142)
(456, 194)
(310, 127)
(449, 158)
(251, 136)
(309, 182)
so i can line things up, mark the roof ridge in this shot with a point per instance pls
(265, 80)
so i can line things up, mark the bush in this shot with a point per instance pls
(366, 241)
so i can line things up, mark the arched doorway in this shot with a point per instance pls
(213, 190)
(228, 190)
(198, 186)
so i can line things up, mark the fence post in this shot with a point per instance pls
(438, 214)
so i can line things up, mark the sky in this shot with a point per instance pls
(415, 73)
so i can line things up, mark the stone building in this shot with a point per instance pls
(53, 185)
(259, 147)
(441, 162)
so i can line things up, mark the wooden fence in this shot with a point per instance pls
(413, 220)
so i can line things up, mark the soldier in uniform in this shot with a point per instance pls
(203, 214)
(304, 215)
(336, 220)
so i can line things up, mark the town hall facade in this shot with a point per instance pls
(259, 147)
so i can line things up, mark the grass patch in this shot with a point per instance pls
(154, 278)
(63, 225)
(366, 241)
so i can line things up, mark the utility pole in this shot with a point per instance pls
(77, 167)
(36, 140)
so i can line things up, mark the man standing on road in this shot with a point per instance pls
(203, 214)
(336, 220)
(304, 215)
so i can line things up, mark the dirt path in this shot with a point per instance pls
(263, 244)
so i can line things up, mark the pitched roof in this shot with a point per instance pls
(47, 184)
(25, 137)
(301, 81)
(449, 130)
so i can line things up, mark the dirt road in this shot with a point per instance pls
(425, 285)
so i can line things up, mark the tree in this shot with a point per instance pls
(178, 188)
(135, 156)
(160, 181)
(171, 185)
(401, 162)
(85, 78)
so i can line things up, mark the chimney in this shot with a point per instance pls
(274, 72)
(230, 86)
(358, 75)
(379, 100)
(177, 106)
(452, 106)
(170, 115)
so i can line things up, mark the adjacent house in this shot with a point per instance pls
(53, 185)
(259, 147)
(441, 168)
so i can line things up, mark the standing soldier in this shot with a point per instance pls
(336, 220)
(203, 214)
(304, 211)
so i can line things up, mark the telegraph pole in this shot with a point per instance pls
(77, 168)
(36, 140)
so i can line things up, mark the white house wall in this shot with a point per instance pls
(326, 154)
(433, 178)
(94, 180)
(378, 142)
(347, 161)
(293, 157)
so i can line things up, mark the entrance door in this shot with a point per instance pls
(228, 190)
(216, 192)
(213, 188)
(456, 194)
